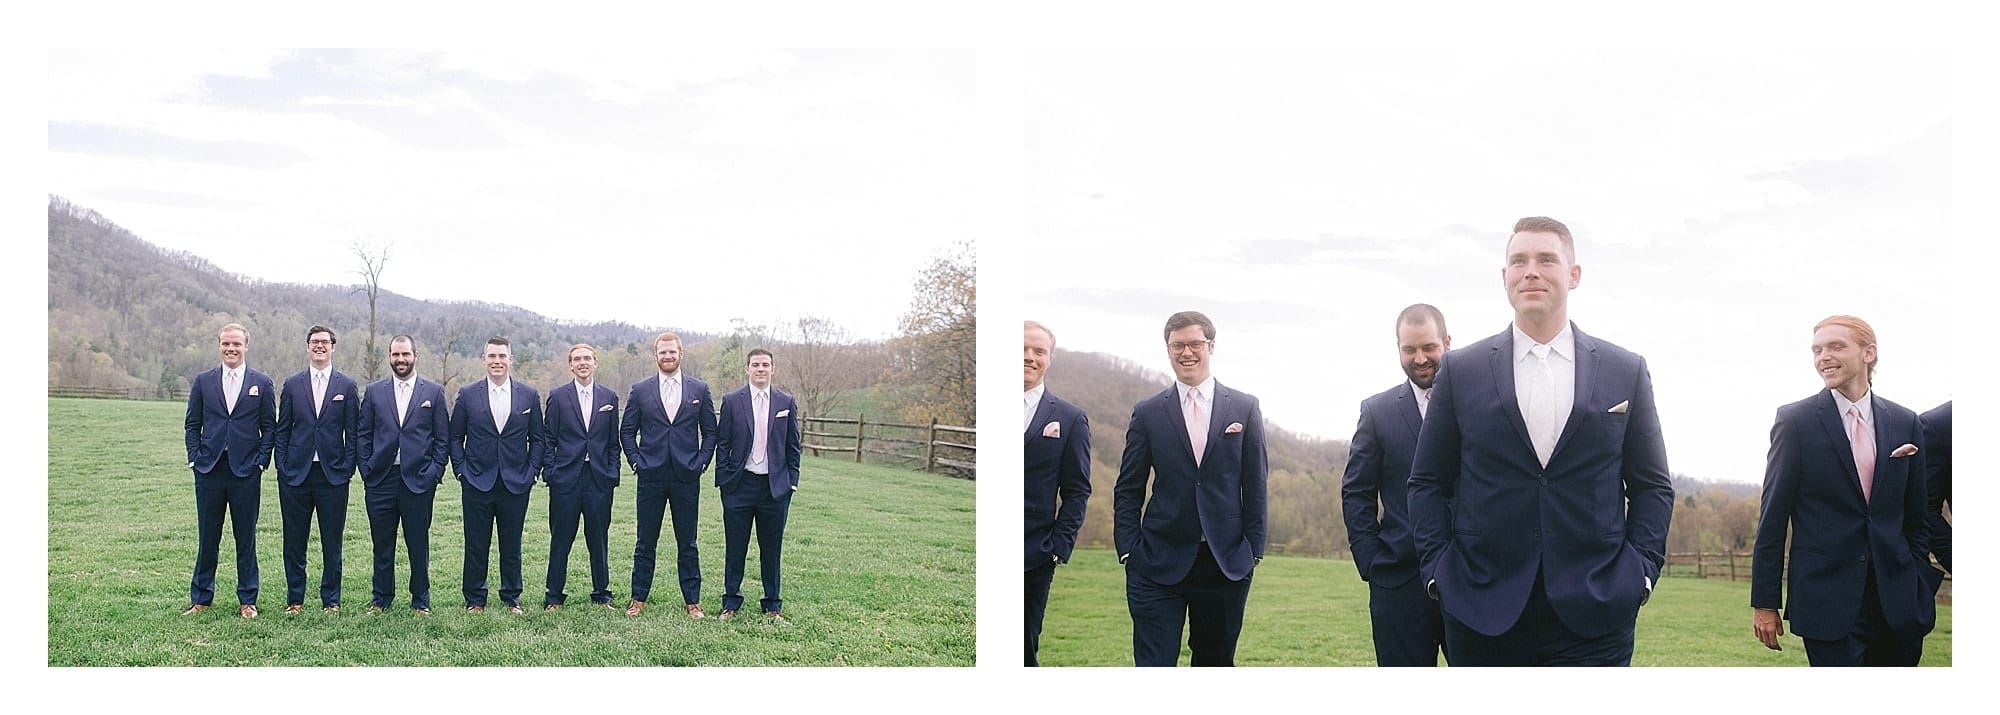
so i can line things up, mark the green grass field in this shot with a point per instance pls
(878, 571)
(1306, 612)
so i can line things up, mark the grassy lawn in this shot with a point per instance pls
(878, 571)
(1315, 612)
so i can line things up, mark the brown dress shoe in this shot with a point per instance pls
(475, 609)
(194, 608)
(552, 606)
(516, 610)
(694, 611)
(422, 611)
(775, 616)
(609, 605)
(335, 608)
(293, 609)
(727, 614)
(374, 609)
(635, 608)
(246, 611)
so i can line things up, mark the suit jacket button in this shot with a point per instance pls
(1544, 481)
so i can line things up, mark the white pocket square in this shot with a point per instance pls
(1053, 429)
(1234, 427)
(526, 411)
(782, 413)
(694, 402)
(253, 389)
(337, 398)
(1903, 451)
(606, 408)
(1620, 408)
(427, 403)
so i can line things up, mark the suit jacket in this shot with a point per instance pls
(331, 433)
(681, 447)
(247, 433)
(563, 466)
(1378, 469)
(735, 436)
(1811, 485)
(1055, 475)
(1222, 501)
(1937, 462)
(483, 457)
(1488, 516)
(421, 437)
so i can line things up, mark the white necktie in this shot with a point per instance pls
(494, 396)
(760, 429)
(1197, 424)
(670, 398)
(583, 401)
(1542, 404)
(319, 392)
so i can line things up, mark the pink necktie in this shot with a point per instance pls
(1197, 425)
(1864, 451)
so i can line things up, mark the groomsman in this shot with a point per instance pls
(1374, 497)
(1055, 476)
(230, 427)
(668, 434)
(581, 469)
(318, 414)
(757, 468)
(1190, 553)
(496, 450)
(402, 451)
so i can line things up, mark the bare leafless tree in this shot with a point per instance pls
(818, 364)
(373, 259)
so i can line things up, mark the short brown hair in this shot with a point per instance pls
(1863, 334)
(664, 337)
(1420, 313)
(1544, 224)
(586, 346)
(1029, 324)
(1181, 320)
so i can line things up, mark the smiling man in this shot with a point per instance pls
(1539, 494)
(1190, 551)
(231, 430)
(1846, 475)
(318, 414)
(1055, 476)
(668, 435)
(402, 453)
(496, 450)
(1408, 628)
(581, 469)
(757, 469)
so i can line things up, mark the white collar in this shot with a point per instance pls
(1564, 344)
(508, 385)
(1207, 388)
(1867, 405)
(1034, 395)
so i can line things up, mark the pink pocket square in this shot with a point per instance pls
(1234, 427)
(1903, 451)
(1053, 429)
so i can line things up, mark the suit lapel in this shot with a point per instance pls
(1406, 405)
(1218, 406)
(1042, 411)
(1171, 405)
(1501, 362)
(1836, 435)
(1586, 386)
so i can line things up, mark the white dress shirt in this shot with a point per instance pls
(320, 379)
(404, 389)
(1423, 396)
(670, 393)
(1840, 402)
(1562, 367)
(1030, 401)
(754, 462)
(501, 398)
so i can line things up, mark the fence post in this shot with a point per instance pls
(930, 446)
(1732, 564)
(860, 427)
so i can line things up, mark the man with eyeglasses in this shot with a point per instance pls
(1189, 553)
(318, 413)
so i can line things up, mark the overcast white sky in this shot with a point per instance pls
(583, 183)
(1723, 203)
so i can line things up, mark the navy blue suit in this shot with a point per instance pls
(1055, 479)
(1856, 589)
(1191, 551)
(748, 498)
(402, 459)
(1569, 547)
(668, 457)
(1408, 627)
(1937, 461)
(228, 449)
(496, 470)
(305, 484)
(581, 468)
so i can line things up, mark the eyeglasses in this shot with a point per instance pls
(1197, 346)
(319, 342)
